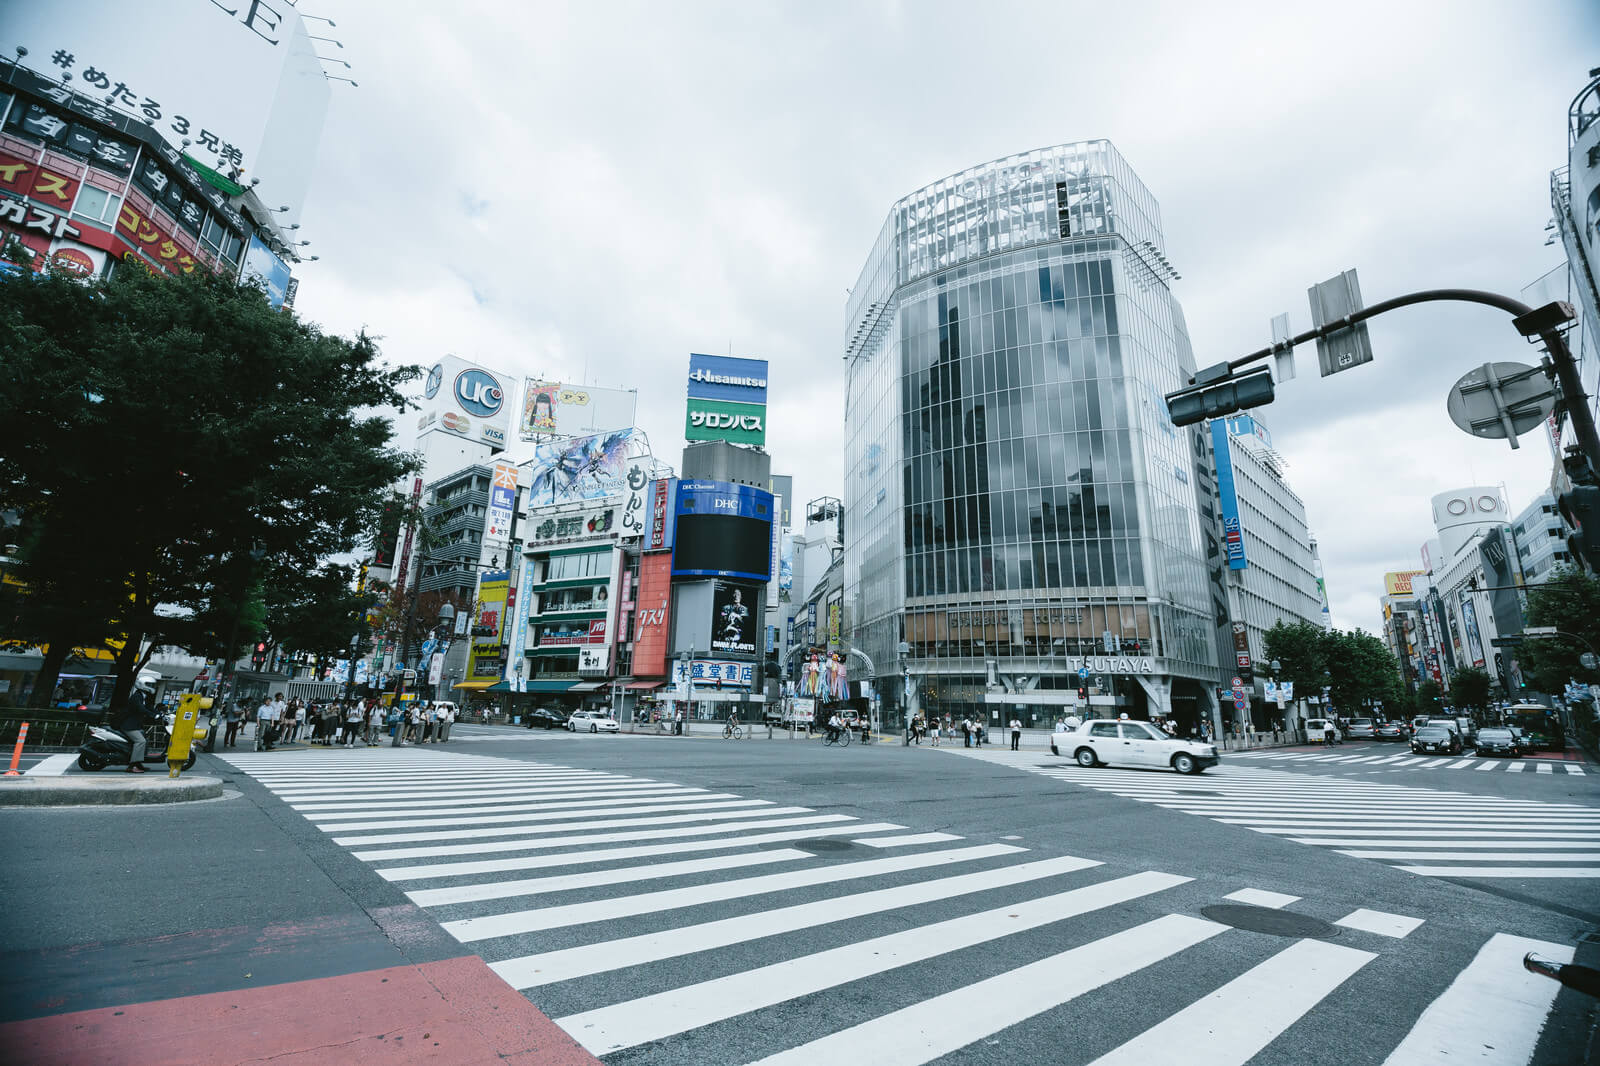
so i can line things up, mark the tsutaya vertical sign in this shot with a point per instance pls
(411, 529)
(1232, 529)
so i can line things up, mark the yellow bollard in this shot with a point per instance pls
(187, 726)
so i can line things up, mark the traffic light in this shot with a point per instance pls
(259, 658)
(1580, 510)
(1216, 392)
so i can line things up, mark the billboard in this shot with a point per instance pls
(723, 530)
(597, 521)
(502, 502)
(727, 399)
(650, 625)
(147, 62)
(262, 267)
(1232, 529)
(733, 621)
(836, 618)
(561, 409)
(582, 468)
(467, 400)
(662, 511)
(1398, 582)
(485, 660)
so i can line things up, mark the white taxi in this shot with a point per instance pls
(1126, 742)
(592, 722)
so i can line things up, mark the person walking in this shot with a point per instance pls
(1016, 735)
(353, 721)
(264, 717)
(446, 720)
(231, 717)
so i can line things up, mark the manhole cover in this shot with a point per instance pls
(1267, 920)
(823, 844)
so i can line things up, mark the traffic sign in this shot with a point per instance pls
(1501, 400)
(1083, 673)
(1238, 683)
(409, 676)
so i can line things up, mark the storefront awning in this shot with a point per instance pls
(475, 686)
(531, 686)
(588, 686)
(645, 686)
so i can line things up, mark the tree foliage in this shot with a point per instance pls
(1470, 688)
(1355, 666)
(154, 432)
(1568, 600)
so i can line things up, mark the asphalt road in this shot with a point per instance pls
(673, 900)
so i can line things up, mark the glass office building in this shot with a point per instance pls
(1022, 520)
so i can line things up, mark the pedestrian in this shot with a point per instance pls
(448, 719)
(232, 716)
(352, 724)
(1016, 735)
(966, 732)
(291, 720)
(981, 728)
(264, 717)
(934, 732)
(374, 722)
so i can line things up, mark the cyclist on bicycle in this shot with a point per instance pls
(835, 723)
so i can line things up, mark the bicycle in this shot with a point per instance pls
(732, 732)
(841, 737)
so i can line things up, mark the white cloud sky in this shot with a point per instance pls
(592, 191)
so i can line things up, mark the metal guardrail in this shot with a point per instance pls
(45, 731)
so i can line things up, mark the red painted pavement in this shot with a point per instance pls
(452, 1013)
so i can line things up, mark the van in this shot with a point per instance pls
(1316, 730)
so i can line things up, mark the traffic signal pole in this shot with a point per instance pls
(1542, 322)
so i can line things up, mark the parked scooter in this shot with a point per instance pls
(107, 747)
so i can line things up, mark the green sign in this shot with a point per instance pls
(738, 423)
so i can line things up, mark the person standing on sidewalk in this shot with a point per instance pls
(232, 716)
(291, 721)
(445, 722)
(1016, 735)
(966, 732)
(264, 716)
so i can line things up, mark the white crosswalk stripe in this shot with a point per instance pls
(1423, 831)
(1415, 764)
(584, 898)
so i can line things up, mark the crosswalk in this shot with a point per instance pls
(1424, 831)
(1389, 761)
(660, 922)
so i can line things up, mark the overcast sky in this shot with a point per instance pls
(592, 191)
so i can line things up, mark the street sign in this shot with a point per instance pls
(1505, 642)
(1337, 298)
(409, 676)
(1237, 683)
(1540, 631)
(1501, 400)
(1083, 673)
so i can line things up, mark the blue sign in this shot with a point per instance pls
(1232, 529)
(723, 498)
(430, 388)
(1083, 673)
(724, 377)
(262, 267)
(479, 393)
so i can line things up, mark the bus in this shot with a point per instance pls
(1539, 725)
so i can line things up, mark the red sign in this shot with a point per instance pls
(595, 634)
(651, 614)
(73, 262)
(36, 181)
(155, 242)
(658, 516)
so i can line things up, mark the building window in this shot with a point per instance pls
(96, 204)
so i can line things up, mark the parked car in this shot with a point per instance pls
(1361, 729)
(1436, 740)
(543, 718)
(1497, 741)
(1390, 731)
(592, 722)
(1317, 730)
(1129, 743)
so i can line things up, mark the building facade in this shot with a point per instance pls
(1019, 509)
(1541, 539)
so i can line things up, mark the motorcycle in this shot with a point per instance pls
(107, 747)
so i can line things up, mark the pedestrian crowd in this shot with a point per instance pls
(337, 723)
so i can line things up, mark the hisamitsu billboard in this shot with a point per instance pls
(724, 377)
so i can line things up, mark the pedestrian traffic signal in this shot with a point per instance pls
(1216, 392)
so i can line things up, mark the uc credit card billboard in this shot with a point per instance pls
(727, 399)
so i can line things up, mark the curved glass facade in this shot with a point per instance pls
(1018, 504)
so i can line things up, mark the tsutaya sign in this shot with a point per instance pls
(1111, 664)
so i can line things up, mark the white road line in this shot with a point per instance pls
(1481, 856)
(946, 1023)
(1516, 767)
(907, 839)
(1532, 845)
(1575, 872)
(1484, 766)
(579, 858)
(51, 766)
(620, 875)
(656, 1017)
(428, 792)
(504, 824)
(1544, 768)
(1572, 768)
(1236, 1027)
(1492, 1012)
(323, 812)
(1463, 762)
(471, 930)
(530, 971)
(1257, 897)
(1398, 926)
(519, 812)
(1438, 822)
(1448, 834)
(534, 843)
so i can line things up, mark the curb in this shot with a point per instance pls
(75, 791)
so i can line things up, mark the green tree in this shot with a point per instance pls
(155, 432)
(1568, 600)
(1470, 688)
(1302, 658)
(1361, 670)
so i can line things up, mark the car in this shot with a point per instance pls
(1452, 724)
(1361, 729)
(544, 718)
(1497, 740)
(1469, 730)
(1317, 730)
(1129, 743)
(1389, 731)
(1436, 740)
(592, 722)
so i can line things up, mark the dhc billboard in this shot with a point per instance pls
(722, 530)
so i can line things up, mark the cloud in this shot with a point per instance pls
(594, 191)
